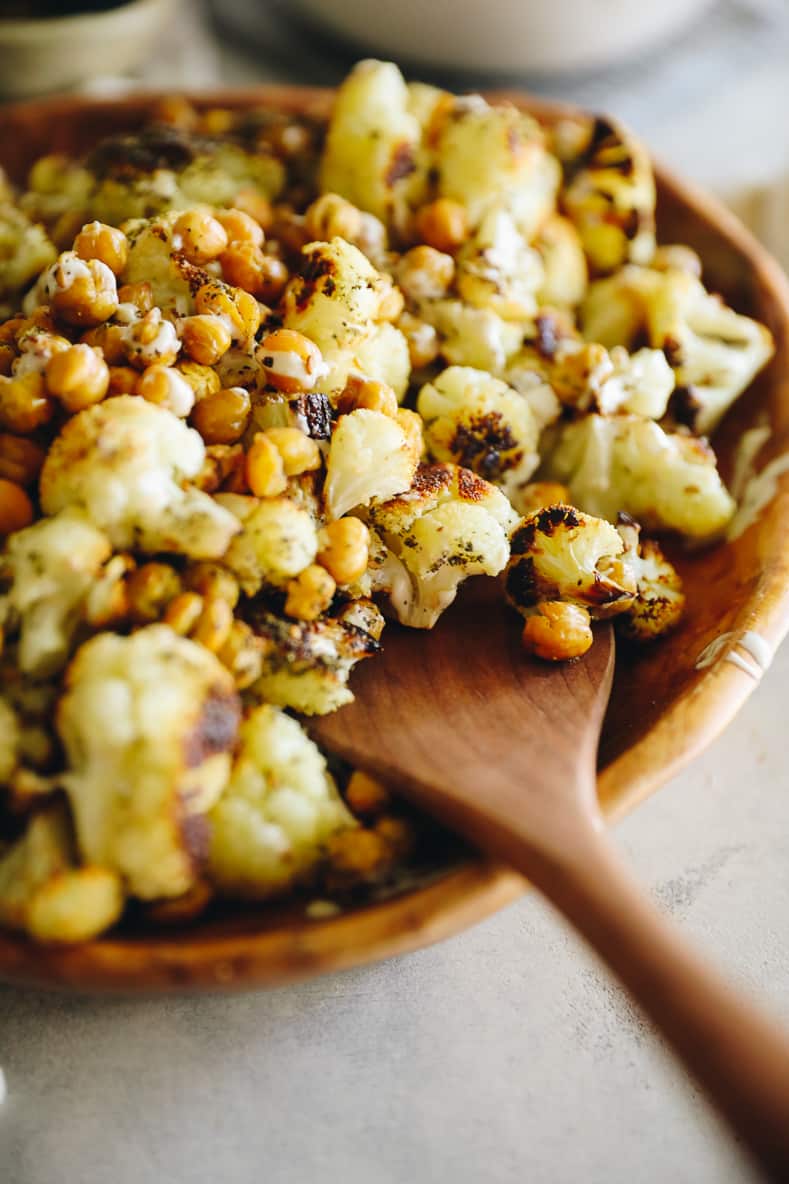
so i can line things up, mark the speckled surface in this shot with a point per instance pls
(503, 1055)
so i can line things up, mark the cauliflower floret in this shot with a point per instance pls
(497, 270)
(613, 311)
(384, 357)
(659, 599)
(152, 261)
(628, 463)
(278, 539)
(559, 553)
(25, 250)
(564, 263)
(148, 723)
(472, 336)
(52, 565)
(270, 827)
(372, 142)
(715, 352)
(44, 893)
(448, 526)
(370, 456)
(10, 738)
(307, 664)
(123, 462)
(586, 377)
(609, 195)
(481, 423)
(335, 301)
(496, 157)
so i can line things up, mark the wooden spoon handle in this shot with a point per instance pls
(738, 1055)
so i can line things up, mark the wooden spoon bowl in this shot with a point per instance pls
(663, 709)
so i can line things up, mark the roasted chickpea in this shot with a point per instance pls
(443, 224)
(16, 508)
(558, 631)
(24, 403)
(343, 549)
(96, 240)
(203, 237)
(265, 468)
(221, 418)
(240, 227)
(310, 593)
(300, 453)
(205, 338)
(290, 361)
(78, 377)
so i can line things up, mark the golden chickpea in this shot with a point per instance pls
(249, 201)
(24, 403)
(82, 291)
(166, 387)
(78, 377)
(290, 361)
(332, 216)
(177, 111)
(367, 393)
(123, 380)
(110, 339)
(140, 295)
(239, 307)
(215, 624)
(265, 468)
(392, 302)
(16, 508)
(205, 338)
(443, 224)
(357, 853)
(343, 549)
(558, 631)
(242, 654)
(216, 121)
(424, 273)
(96, 240)
(240, 228)
(310, 593)
(20, 460)
(242, 265)
(222, 418)
(366, 796)
(183, 612)
(203, 237)
(300, 453)
(150, 589)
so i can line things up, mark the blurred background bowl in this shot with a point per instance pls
(506, 37)
(56, 53)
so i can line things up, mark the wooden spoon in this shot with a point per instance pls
(502, 749)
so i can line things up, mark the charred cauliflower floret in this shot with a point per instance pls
(659, 599)
(124, 462)
(473, 336)
(609, 194)
(448, 526)
(153, 260)
(335, 301)
(667, 482)
(148, 723)
(277, 540)
(560, 554)
(370, 456)
(372, 142)
(52, 566)
(613, 311)
(497, 270)
(586, 377)
(270, 827)
(161, 168)
(307, 664)
(518, 174)
(479, 422)
(46, 894)
(714, 351)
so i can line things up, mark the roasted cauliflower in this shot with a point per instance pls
(276, 541)
(270, 827)
(667, 482)
(124, 462)
(448, 526)
(52, 567)
(45, 893)
(659, 597)
(480, 423)
(370, 456)
(558, 553)
(307, 664)
(148, 723)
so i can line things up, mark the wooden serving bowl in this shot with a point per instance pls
(663, 711)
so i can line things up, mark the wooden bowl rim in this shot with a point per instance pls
(479, 887)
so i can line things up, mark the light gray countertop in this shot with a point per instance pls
(502, 1055)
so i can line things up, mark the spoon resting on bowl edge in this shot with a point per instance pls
(502, 749)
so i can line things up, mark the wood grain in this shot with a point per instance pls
(662, 711)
